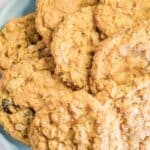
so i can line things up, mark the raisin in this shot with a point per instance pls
(8, 106)
(30, 112)
(5, 104)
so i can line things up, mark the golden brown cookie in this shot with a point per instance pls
(25, 78)
(134, 109)
(51, 12)
(112, 16)
(76, 121)
(74, 42)
(121, 63)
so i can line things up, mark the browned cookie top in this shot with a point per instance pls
(73, 45)
(121, 63)
(134, 109)
(76, 121)
(25, 78)
(112, 16)
(51, 12)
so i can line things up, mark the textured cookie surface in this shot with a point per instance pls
(135, 117)
(113, 16)
(73, 45)
(25, 79)
(76, 121)
(51, 12)
(121, 63)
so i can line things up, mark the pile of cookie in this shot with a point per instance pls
(75, 75)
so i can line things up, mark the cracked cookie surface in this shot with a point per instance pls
(134, 110)
(74, 42)
(25, 78)
(76, 121)
(51, 12)
(113, 16)
(121, 63)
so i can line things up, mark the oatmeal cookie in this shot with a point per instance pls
(51, 12)
(25, 78)
(134, 109)
(76, 121)
(74, 42)
(121, 63)
(112, 16)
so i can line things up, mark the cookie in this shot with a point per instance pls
(145, 145)
(121, 63)
(74, 42)
(51, 12)
(134, 109)
(25, 78)
(113, 16)
(76, 121)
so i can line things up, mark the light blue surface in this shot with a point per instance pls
(15, 8)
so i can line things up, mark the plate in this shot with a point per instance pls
(14, 8)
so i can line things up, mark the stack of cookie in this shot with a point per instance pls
(75, 75)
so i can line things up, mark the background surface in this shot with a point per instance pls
(10, 9)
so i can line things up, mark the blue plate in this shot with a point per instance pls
(14, 8)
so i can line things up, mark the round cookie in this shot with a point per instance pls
(113, 16)
(74, 42)
(25, 78)
(51, 12)
(76, 121)
(121, 63)
(134, 110)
